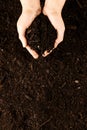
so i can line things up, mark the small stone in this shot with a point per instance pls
(79, 88)
(2, 50)
(76, 81)
(47, 71)
(38, 47)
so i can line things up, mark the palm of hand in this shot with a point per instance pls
(25, 21)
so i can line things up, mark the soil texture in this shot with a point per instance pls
(48, 93)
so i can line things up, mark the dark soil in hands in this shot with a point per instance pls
(49, 93)
(44, 38)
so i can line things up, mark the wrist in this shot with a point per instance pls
(28, 5)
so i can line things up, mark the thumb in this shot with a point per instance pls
(23, 40)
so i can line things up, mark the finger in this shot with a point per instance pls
(46, 53)
(58, 24)
(21, 32)
(32, 52)
(23, 40)
(59, 39)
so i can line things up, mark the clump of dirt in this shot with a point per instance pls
(45, 36)
(49, 93)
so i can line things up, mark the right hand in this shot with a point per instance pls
(53, 10)
(24, 21)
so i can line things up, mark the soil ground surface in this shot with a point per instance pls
(49, 93)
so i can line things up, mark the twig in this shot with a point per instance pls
(79, 4)
(72, 27)
(46, 122)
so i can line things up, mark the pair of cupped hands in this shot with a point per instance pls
(30, 10)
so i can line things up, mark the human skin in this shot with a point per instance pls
(53, 9)
(30, 10)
